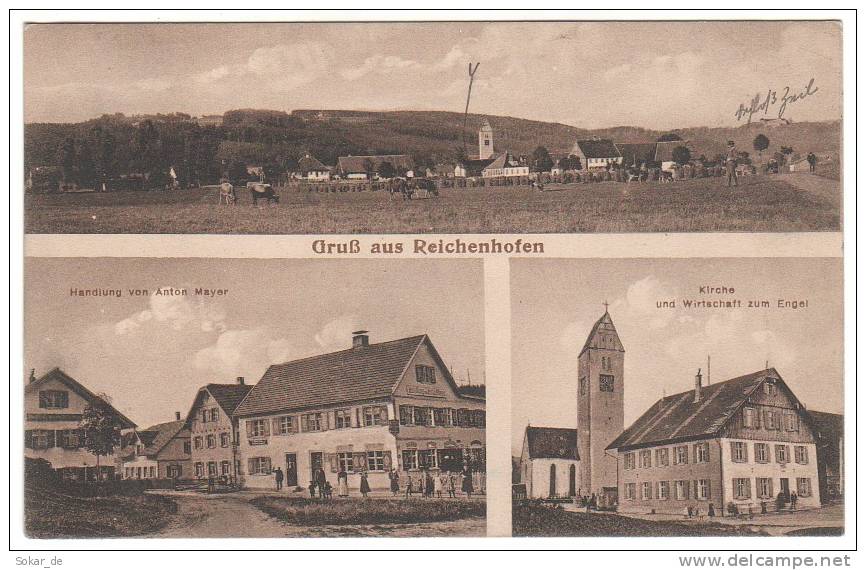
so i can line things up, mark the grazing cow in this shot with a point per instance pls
(399, 186)
(424, 187)
(262, 191)
(227, 194)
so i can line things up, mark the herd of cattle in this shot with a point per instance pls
(406, 189)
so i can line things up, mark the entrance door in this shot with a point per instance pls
(572, 481)
(552, 481)
(783, 485)
(317, 461)
(291, 470)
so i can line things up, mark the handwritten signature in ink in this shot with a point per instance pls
(762, 103)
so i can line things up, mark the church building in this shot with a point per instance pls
(548, 463)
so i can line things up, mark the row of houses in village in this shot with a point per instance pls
(741, 445)
(371, 408)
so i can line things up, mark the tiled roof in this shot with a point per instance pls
(311, 164)
(80, 389)
(552, 443)
(502, 160)
(603, 322)
(157, 436)
(679, 418)
(665, 150)
(637, 153)
(356, 164)
(356, 374)
(600, 148)
(228, 396)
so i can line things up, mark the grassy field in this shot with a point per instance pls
(761, 203)
(54, 515)
(534, 520)
(310, 512)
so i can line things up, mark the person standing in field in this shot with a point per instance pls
(731, 163)
(812, 160)
(278, 478)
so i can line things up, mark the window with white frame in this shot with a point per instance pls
(804, 487)
(225, 468)
(214, 414)
(375, 460)
(425, 374)
(199, 470)
(771, 419)
(646, 458)
(762, 453)
(198, 442)
(783, 454)
(681, 490)
(681, 455)
(769, 389)
(749, 417)
(742, 488)
(375, 416)
(211, 441)
(53, 399)
(630, 489)
(407, 416)
(259, 465)
(662, 457)
(427, 458)
(257, 428)
(342, 419)
(421, 416)
(346, 461)
(313, 422)
(628, 460)
(204, 416)
(702, 452)
(224, 439)
(410, 459)
(212, 469)
(664, 490)
(792, 422)
(286, 424)
(441, 416)
(703, 489)
(739, 452)
(765, 487)
(801, 456)
(646, 492)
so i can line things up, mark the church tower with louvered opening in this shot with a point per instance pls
(485, 141)
(600, 415)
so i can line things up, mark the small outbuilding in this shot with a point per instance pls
(548, 462)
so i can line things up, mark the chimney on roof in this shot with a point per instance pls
(698, 379)
(32, 376)
(360, 339)
(176, 416)
(240, 380)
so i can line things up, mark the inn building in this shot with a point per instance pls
(53, 408)
(370, 408)
(740, 443)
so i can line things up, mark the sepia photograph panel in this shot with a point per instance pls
(677, 397)
(201, 398)
(433, 127)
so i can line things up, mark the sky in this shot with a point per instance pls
(151, 354)
(588, 74)
(665, 347)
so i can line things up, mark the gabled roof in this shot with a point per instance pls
(679, 418)
(310, 163)
(551, 443)
(828, 425)
(157, 436)
(356, 374)
(598, 148)
(227, 396)
(604, 322)
(502, 160)
(78, 388)
(637, 153)
(356, 164)
(665, 150)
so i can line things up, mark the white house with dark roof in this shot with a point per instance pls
(370, 408)
(161, 451)
(53, 407)
(596, 154)
(311, 169)
(504, 164)
(740, 445)
(548, 463)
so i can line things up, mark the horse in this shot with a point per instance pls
(227, 193)
(399, 185)
(262, 191)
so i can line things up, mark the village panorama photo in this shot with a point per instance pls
(205, 398)
(432, 127)
(678, 397)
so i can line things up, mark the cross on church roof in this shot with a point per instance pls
(605, 305)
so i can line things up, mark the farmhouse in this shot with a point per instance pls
(504, 164)
(635, 154)
(310, 168)
(665, 153)
(371, 408)
(370, 166)
(161, 451)
(214, 430)
(471, 168)
(596, 154)
(53, 408)
(741, 443)
(548, 462)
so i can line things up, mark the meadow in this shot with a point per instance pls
(777, 203)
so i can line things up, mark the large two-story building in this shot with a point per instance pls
(53, 407)
(368, 409)
(740, 443)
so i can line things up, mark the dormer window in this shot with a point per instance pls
(53, 399)
(425, 374)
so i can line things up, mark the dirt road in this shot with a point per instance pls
(231, 516)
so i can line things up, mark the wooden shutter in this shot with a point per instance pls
(250, 468)
(267, 428)
(276, 426)
(386, 460)
(305, 424)
(334, 463)
(359, 461)
(249, 428)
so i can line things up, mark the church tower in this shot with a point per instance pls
(485, 141)
(600, 415)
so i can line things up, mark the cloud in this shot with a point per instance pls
(154, 84)
(573, 335)
(640, 302)
(379, 63)
(177, 312)
(281, 67)
(240, 352)
(335, 334)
